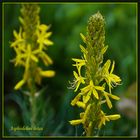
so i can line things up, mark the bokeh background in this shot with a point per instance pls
(67, 22)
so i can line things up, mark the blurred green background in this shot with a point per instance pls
(67, 22)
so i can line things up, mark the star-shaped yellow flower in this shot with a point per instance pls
(111, 79)
(92, 89)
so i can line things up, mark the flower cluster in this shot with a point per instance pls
(94, 88)
(30, 45)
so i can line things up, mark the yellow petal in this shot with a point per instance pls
(95, 94)
(86, 113)
(47, 42)
(115, 78)
(103, 120)
(107, 65)
(76, 122)
(34, 58)
(46, 59)
(78, 60)
(104, 49)
(89, 129)
(19, 84)
(113, 117)
(43, 27)
(82, 115)
(100, 124)
(114, 97)
(77, 86)
(112, 67)
(83, 49)
(86, 99)
(15, 34)
(48, 73)
(81, 104)
(108, 101)
(75, 74)
(99, 88)
(83, 37)
(48, 34)
(21, 20)
(85, 89)
(74, 101)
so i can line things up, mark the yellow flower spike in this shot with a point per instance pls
(48, 73)
(80, 104)
(19, 84)
(113, 117)
(97, 75)
(76, 122)
(30, 44)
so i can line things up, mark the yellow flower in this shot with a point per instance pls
(91, 88)
(45, 58)
(79, 63)
(113, 117)
(107, 95)
(81, 104)
(76, 99)
(78, 80)
(48, 73)
(30, 45)
(29, 56)
(43, 36)
(104, 118)
(18, 38)
(111, 79)
(76, 122)
(87, 111)
(19, 84)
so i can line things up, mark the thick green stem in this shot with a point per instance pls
(32, 88)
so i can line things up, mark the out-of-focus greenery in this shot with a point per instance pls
(67, 21)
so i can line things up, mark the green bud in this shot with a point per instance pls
(96, 25)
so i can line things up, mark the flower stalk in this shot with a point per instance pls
(30, 46)
(94, 88)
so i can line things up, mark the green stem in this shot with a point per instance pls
(33, 109)
(32, 88)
